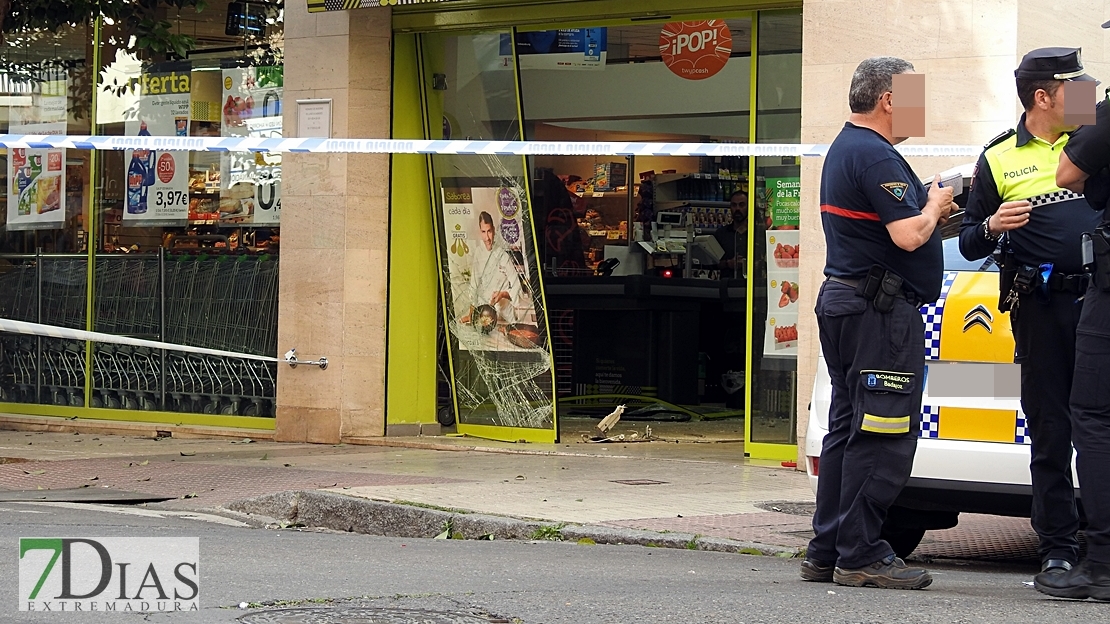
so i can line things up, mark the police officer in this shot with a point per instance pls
(1015, 206)
(884, 260)
(1083, 169)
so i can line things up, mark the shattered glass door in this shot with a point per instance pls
(500, 362)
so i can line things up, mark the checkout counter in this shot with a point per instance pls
(644, 332)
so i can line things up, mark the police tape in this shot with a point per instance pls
(53, 331)
(488, 148)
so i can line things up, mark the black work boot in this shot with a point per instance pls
(817, 571)
(890, 573)
(1086, 580)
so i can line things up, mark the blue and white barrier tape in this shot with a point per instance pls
(491, 148)
(53, 331)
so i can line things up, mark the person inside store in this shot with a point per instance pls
(884, 260)
(495, 280)
(1000, 208)
(564, 240)
(1083, 169)
(733, 237)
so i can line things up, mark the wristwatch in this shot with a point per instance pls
(987, 231)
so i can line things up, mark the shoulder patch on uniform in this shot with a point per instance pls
(1000, 138)
(897, 189)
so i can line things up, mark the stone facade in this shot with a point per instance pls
(335, 230)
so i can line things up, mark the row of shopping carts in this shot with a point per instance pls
(219, 302)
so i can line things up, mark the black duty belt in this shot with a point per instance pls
(854, 283)
(847, 282)
(1074, 284)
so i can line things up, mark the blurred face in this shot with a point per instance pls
(1053, 105)
(487, 235)
(739, 207)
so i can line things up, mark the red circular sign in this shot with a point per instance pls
(695, 50)
(166, 168)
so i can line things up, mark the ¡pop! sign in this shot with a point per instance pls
(695, 50)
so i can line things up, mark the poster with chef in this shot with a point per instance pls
(486, 245)
(157, 182)
(781, 336)
(250, 192)
(36, 177)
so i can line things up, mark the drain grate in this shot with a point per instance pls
(638, 482)
(362, 615)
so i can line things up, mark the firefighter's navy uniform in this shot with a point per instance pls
(873, 345)
(1042, 283)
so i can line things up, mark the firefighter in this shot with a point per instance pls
(884, 259)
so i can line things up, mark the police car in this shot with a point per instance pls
(973, 448)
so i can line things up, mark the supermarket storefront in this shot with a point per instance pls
(601, 305)
(388, 264)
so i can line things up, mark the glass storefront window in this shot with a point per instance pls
(614, 84)
(184, 246)
(774, 322)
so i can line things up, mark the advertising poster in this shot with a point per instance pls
(486, 246)
(36, 177)
(784, 202)
(571, 48)
(250, 192)
(781, 336)
(157, 182)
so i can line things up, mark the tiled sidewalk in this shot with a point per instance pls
(724, 498)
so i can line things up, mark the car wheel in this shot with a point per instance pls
(903, 540)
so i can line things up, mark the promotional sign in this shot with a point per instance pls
(784, 202)
(36, 177)
(781, 335)
(486, 247)
(109, 574)
(695, 50)
(572, 48)
(157, 182)
(250, 192)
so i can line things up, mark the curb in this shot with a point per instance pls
(338, 512)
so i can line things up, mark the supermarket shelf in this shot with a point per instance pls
(678, 203)
(664, 178)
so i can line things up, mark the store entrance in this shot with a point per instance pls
(667, 284)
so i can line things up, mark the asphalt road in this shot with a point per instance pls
(528, 582)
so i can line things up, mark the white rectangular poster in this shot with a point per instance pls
(781, 335)
(157, 182)
(250, 192)
(36, 177)
(486, 247)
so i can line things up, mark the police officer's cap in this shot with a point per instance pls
(1052, 64)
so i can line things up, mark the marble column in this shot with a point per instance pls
(335, 229)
